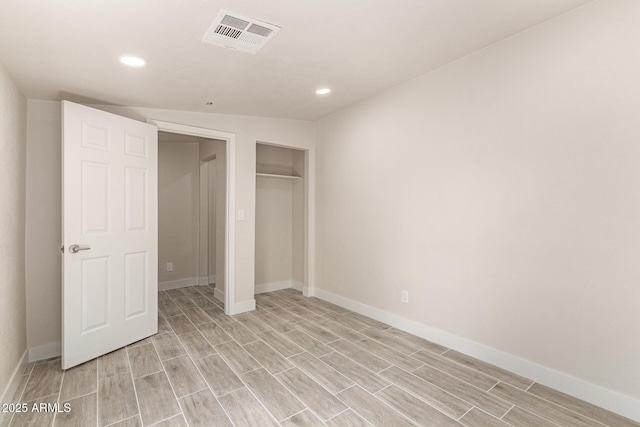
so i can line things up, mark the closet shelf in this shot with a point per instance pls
(271, 175)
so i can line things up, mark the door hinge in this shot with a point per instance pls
(62, 249)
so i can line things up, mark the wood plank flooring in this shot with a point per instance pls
(295, 361)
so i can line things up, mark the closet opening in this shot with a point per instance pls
(281, 245)
(192, 213)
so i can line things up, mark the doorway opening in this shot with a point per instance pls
(194, 155)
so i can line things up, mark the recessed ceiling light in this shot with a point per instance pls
(132, 61)
(323, 91)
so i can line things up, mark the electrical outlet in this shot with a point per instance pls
(404, 296)
(240, 214)
(169, 266)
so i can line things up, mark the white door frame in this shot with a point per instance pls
(230, 240)
(204, 247)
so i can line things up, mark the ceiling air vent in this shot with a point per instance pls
(238, 32)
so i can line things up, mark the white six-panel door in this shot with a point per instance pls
(110, 212)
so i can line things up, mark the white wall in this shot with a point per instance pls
(503, 192)
(13, 138)
(178, 210)
(43, 240)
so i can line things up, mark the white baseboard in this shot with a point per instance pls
(239, 307)
(277, 286)
(244, 306)
(176, 284)
(273, 286)
(12, 385)
(204, 280)
(46, 351)
(594, 394)
(218, 294)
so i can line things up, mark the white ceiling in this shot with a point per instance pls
(69, 49)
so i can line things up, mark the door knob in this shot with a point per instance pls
(77, 248)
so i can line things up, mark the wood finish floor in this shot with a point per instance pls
(295, 361)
